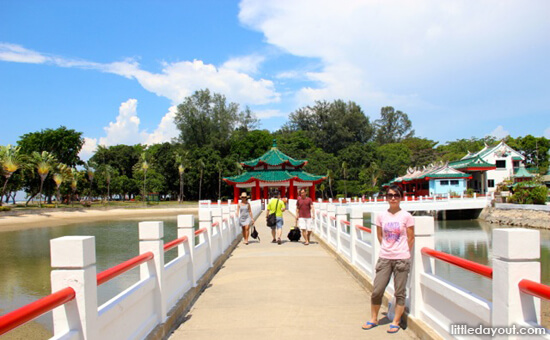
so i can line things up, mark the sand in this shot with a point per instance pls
(58, 218)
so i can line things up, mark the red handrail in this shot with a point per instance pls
(175, 243)
(333, 218)
(115, 271)
(534, 288)
(215, 224)
(33, 310)
(360, 227)
(459, 262)
(200, 231)
(345, 222)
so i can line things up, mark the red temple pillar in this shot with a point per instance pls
(283, 191)
(291, 190)
(265, 193)
(257, 191)
(235, 194)
(312, 192)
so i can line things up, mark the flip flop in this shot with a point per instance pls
(369, 325)
(393, 329)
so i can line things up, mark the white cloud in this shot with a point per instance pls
(18, 54)
(372, 51)
(499, 132)
(88, 149)
(263, 114)
(166, 130)
(547, 133)
(247, 64)
(125, 130)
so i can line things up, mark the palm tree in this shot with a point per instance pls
(181, 162)
(201, 166)
(322, 188)
(144, 167)
(44, 163)
(344, 173)
(90, 170)
(74, 182)
(62, 173)
(219, 167)
(330, 177)
(11, 161)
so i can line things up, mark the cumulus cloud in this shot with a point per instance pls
(499, 132)
(247, 64)
(166, 130)
(372, 51)
(88, 149)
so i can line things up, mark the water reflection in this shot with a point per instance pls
(25, 269)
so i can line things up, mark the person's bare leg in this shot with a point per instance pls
(246, 233)
(374, 309)
(273, 234)
(398, 313)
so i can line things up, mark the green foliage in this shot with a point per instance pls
(393, 126)
(529, 193)
(394, 160)
(2, 208)
(452, 151)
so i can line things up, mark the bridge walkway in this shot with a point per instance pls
(288, 291)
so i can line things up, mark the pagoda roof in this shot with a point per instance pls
(430, 172)
(472, 163)
(273, 176)
(523, 173)
(274, 157)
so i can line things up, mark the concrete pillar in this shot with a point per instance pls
(217, 218)
(331, 212)
(226, 230)
(322, 220)
(186, 227)
(356, 218)
(233, 219)
(424, 229)
(74, 265)
(515, 257)
(374, 241)
(205, 221)
(341, 215)
(151, 236)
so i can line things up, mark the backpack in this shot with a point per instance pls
(272, 218)
(294, 234)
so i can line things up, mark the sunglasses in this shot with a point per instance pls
(392, 196)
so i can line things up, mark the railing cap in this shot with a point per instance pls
(205, 215)
(186, 221)
(356, 212)
(341, 210)
(216, 212)
(72, 251)
(151, 230)
(516, 244)
(423, 225)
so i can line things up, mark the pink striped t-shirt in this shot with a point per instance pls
(394, 234)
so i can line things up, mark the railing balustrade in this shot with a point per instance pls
(128, 315)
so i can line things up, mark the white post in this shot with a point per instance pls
(74, 265)
(331, 212)
(356, 218)
(186, 227)
(322, 218)
(232, 216)
(424, 237)
(205, 221)
(227, 235)
(515, 255)
(340, 216)
(151, 236)
(475, 195)
(374, 242)
(217, 217)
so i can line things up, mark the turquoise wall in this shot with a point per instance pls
(438, 186)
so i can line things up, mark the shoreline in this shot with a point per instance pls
(48, 219)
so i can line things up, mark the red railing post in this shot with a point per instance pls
(186, 227)
(424, 230)
(73, 261)
(151, 236)
(515, 257)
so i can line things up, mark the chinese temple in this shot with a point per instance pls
(274, 169)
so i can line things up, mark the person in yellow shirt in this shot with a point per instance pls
(276, 205)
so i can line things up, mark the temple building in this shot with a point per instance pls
(438, 179)
(274, 169)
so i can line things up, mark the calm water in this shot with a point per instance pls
(25, 268)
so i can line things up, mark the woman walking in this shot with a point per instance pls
(245, 216)
(395, 231)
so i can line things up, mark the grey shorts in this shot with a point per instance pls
(384, 270)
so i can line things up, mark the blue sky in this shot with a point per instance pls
(115, 70)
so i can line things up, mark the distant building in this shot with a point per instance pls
(490, 166)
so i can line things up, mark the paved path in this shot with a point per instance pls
(290, 291)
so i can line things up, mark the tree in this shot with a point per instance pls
(144, 168)
(90, 167)
(423, 151)
(62, 143)
(43, 163)
(11, 160)
(393, 126)
(182, 163)
(330, 178)
(344, 171)
(75, 175)
(62, 172)
(206, 119)
(331, 126)
(201, 165)
(394, 159)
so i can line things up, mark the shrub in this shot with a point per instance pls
(2, 208)
(529, 193)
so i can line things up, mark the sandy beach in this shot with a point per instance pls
(57, 218)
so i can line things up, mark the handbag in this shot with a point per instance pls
(272, 218)
(254, 234)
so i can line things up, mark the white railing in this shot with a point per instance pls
(436, 302)
(135, 312)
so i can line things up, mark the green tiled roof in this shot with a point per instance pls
(274, 157)
(273, 176)
(522, 173)
(471, 163)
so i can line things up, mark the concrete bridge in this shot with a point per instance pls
(217, 287)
